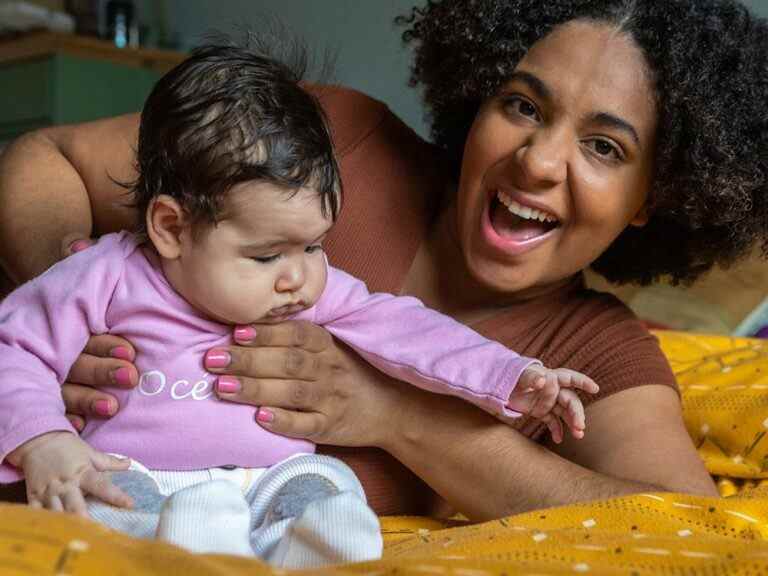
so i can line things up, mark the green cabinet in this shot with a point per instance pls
(62, 88)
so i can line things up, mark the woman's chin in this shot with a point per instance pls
(499, 278)
(520, 281)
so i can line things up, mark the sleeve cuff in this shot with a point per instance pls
(509, 383)
(29, 430)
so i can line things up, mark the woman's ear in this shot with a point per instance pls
(642, 216)
(166, 223)
(645, 212)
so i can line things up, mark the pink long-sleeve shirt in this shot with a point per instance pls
(173, 420)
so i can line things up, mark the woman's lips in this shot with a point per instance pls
(511, 242)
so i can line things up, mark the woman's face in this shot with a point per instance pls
(559, 162)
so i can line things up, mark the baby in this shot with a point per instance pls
(238, 186)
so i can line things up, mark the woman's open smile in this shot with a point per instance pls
(558, 162)
(515, 224)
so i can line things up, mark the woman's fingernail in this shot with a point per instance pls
(217, 358)
(265, 416)
(245, 333)
(227, 385)
(122, 376)
(121, 352)
(79, 245)
(102, 407)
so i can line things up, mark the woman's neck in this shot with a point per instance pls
(440, 279)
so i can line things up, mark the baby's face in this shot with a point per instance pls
(263, 261)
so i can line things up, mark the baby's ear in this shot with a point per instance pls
(166, 222)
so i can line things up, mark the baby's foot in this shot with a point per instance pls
(210, 517)
(291, 500)
(310, 523)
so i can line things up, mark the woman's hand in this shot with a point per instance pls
(307, 385)
(106, 362)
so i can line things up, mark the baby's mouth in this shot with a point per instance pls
(513, 221)
(285, 310)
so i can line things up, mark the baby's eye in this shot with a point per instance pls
(314, 248)
(266, 259)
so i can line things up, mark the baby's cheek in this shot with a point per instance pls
(317, 283)
(247, 300)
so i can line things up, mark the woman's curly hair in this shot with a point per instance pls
(709, 64)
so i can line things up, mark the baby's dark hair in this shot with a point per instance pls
(708, 60)
(230, 114)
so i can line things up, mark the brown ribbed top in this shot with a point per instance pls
(390, 179)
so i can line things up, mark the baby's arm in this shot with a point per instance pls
(408, 341)
(59, 468)
(44, 325)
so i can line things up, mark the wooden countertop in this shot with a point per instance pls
(44, 43)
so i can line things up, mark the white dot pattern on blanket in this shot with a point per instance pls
(78, 545)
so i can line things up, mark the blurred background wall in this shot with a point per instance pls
(369, 53)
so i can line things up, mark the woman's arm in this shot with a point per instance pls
(635, 442)
(635, 439)
(55, 185)
(639, 434)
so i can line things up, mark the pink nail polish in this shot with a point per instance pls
(245, 333)
(76, 422)
(227, 385)
(102, 407)
(122, 377)
(79, 246)
(217, 358)
(121, 352)
(265, 416)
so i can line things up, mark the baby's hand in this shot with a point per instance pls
(548, 395)
(59, 468)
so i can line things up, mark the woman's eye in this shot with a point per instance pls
(606, 149)
(266, 259)
(314, 248)
(522, 107)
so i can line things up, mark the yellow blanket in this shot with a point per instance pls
(724, 382)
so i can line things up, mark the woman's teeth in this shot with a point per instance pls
(524, 211)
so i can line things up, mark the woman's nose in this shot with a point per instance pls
(543, 159)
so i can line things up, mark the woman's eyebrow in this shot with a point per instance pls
(534, 83)
(601, 118)
(611, 121)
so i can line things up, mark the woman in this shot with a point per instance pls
(582, 133)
